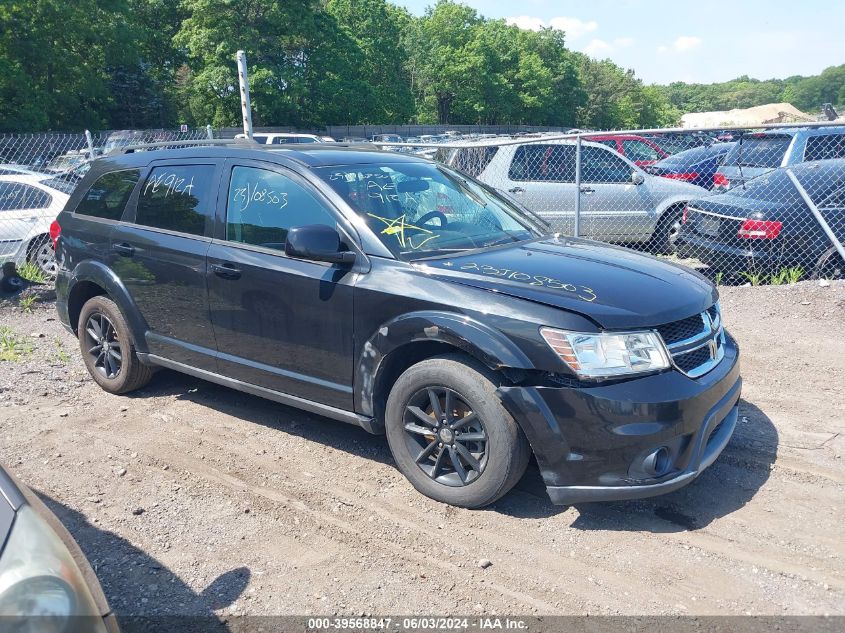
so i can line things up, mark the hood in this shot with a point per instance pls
(667, 187)
(615, 287)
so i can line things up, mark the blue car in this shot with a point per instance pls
(697, 165)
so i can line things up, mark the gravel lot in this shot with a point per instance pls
(190, 498)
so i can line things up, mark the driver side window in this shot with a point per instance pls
(263, 205)
(600, 165)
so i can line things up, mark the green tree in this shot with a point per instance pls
(303, 67)
(375, 27)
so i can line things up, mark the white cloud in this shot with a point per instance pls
(573, 27)
(526, 22)
(686, 43)
(597, 48)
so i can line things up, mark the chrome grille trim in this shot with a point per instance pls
(713, 336)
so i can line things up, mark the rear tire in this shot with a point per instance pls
(473, 452)
(41, 253)
(829, 266)
(107, 349)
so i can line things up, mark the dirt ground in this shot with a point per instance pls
(190, 498)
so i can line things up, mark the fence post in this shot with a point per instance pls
(576, 231)
(90, 142)
(246, 108)
(209, 131)
(815, 211)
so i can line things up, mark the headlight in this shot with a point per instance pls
(607, 355)
(41, 588)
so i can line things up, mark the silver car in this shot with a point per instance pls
(619, 201)
(760, 152)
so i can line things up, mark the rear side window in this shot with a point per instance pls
(759, 151)
(473, 160)
(263, 205)
(545, 163)
(16, 196)
(108, 195)
(177, 198)
(825, 147)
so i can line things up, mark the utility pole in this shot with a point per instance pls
(246, 108)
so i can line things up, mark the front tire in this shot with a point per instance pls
(451, 436)
(107, 349)
(665, 238)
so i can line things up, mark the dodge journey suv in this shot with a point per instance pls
(386, 291)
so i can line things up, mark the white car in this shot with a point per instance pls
(27, 208)
(284, 138)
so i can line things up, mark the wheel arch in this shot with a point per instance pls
(91, 279)
(411, 338)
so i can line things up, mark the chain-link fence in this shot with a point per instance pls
(38, 172)
(741, 205)
(762, 205)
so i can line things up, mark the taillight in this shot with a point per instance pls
(685, 215)
(686, 177)
(760, 229)
(55, 231)
(720, 180)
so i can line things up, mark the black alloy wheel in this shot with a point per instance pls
(445, 436)
(103, 346)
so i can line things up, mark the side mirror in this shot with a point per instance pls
(637, 178)
(318, 242)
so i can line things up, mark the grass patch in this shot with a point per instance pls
(12, 347)
(27, 302)
(32, 273)
(786, 276)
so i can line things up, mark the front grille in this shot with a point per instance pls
(681, 330)
(689, 362)
(697, 343)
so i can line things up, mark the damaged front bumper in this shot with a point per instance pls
(632, 439)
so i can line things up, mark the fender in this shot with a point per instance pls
(480, 341)
(100, 274)
(671, 202)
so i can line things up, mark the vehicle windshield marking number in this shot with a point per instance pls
(398, 227)
(172, 183)
(253, 193)
(582, 292)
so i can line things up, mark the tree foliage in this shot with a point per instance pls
(157, 63)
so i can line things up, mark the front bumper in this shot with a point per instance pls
(591, 443)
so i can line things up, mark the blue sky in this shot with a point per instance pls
(704, 41)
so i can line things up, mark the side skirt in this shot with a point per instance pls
(368, 424)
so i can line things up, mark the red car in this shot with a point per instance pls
(640, 151)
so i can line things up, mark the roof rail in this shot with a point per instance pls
(128, 149)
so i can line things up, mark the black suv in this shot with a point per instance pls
(387, 291)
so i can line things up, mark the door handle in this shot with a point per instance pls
(587, 190)
(226, 271)
(127, 250)
(516, 190)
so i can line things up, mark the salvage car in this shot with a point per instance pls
(696, 166)
(619, 201)
(28, 204)
(758, 153)
(46, 584)
(393, 293)
(765, 225)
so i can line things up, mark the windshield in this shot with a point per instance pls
(422, 210)
(758, 151)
